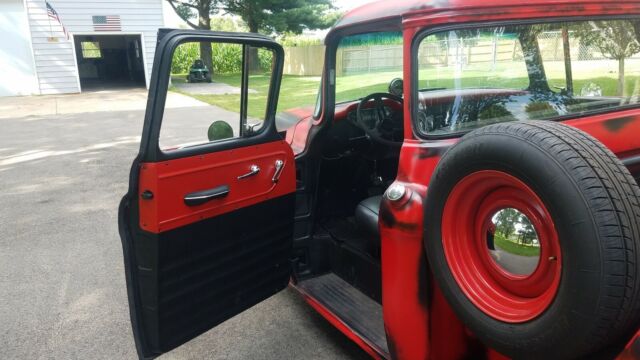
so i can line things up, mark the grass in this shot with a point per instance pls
(295, 91)
(299, 91)
(515, 248)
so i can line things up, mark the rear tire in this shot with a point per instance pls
(594, 203)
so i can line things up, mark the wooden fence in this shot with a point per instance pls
(304, 60)
(309, 60)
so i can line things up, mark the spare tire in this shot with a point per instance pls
(582, 296)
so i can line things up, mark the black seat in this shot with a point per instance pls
(367, 217)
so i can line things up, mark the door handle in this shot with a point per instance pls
(201, 197)
(278, 172)
(253, 170)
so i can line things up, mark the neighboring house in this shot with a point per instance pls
(103, 44)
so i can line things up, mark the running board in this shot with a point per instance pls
(355, 309)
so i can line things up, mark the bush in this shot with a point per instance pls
(227, 58)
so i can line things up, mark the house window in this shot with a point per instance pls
(91, 50)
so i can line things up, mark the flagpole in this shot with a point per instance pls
(49, 19)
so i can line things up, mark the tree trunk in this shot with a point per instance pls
(204, 23)
(621, 76)
(206, 55)
(253, 58)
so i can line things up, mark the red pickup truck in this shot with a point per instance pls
(465, 187)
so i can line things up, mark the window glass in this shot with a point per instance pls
(471, 78)
(90, 50)
(259, 81)
(204, 102)
(366, 63)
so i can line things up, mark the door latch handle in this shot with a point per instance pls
(253, 170)
(201, 197)
(278, 172)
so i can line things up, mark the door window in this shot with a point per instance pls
(205, 102)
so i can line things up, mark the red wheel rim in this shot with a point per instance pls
(502, 295)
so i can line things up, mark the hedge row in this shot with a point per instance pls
(227, 58)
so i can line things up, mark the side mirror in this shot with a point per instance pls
(219, 130)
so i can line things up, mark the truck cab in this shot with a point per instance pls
(465, 186)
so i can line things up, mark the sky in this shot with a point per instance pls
(172, 20)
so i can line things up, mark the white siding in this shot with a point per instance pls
(17, 70)
(55, 61)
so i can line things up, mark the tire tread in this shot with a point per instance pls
(611, 190)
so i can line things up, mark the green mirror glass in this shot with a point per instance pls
(219, 130)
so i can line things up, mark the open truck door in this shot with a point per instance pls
(207, 223)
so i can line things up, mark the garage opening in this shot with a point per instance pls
(109, 61)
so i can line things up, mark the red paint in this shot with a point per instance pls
(407, 37)
(459, 11)
(449, 338)
(617, 130)
(171, 180)
(498, 293)
(406, 318)
(632, 350)
(298, 135)
(369, 348)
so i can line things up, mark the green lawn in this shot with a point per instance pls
(514, 248)
(298, 91)
(295, 91)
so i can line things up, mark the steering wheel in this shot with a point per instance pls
(385, 128)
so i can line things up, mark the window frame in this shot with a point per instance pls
(98, 49)
(427, 31)
(150, 150)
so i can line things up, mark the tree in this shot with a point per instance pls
(505, 221)
(616, 40)
(202, 11)
(283, 15)
(527, 231)
(265, 16)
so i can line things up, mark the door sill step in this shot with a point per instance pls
(358, 311)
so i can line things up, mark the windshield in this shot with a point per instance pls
(366, 63)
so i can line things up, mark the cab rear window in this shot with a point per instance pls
(475, 77)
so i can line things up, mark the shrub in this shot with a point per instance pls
(227, 58)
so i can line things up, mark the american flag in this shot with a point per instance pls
(52, 13)
(106, 23)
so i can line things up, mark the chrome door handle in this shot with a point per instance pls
(279, 168)
(253, 170)
(201, 197)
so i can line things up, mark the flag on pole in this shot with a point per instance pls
(53, 14)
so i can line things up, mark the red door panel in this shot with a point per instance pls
(170, 181)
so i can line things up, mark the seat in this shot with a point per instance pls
(367, 217)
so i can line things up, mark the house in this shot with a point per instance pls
(70, 46)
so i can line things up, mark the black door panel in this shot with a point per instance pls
(206, 272)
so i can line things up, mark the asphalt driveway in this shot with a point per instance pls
(64, 163)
